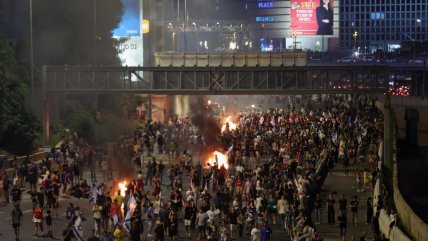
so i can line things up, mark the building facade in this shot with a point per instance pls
(277, 25)
(368, 25)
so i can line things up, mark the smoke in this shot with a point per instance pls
(207, 124)
(68, 31)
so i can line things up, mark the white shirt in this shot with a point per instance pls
(255, 234)
(210, 214)
(240, 169)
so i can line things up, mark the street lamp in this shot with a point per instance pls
(173, 41)
(31, 51)
(355, 35)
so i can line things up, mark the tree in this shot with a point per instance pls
(67, 32)
(17, 124)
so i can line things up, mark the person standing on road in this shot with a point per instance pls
(342, 220)
(96, 210)
(255, 233)
(16, 220)
(369, 210)
(354, 210)
(159, 231)
(266, 232)
(48, 219)
(16, 194)
(6, 187)
(37, 220)
(282, 208)
(317, 206)
(189, 213)
(330, 208)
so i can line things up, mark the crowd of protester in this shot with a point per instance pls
(270, 181)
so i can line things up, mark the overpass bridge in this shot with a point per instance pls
(261, 80)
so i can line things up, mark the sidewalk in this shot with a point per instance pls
(339, 184)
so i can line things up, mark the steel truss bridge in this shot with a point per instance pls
(213, 81)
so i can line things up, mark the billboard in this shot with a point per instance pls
(311, 17)
(130, 28)
(130, 23)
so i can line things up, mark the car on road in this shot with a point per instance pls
(418, 60)
(346, 60)
(391, 60)
(367, 59)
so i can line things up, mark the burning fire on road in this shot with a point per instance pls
(228, 122)
(219, 159)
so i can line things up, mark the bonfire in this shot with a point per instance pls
(219, 159)
(228, 122)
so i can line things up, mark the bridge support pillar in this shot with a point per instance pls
(45, 110)
(149, 107)
(46, 122)
(387, 132)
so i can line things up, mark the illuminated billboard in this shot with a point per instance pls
(309, 17)
(130, 28)
(130, 23)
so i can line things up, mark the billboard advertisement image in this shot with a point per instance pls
(130, 22)
(130, 32)
(311, 17)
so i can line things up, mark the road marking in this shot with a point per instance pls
(27, 211)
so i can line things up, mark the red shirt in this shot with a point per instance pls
(37, 213)
(115, 209)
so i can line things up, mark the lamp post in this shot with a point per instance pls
(31, 52)
(294, 36)
(355, 35)
(95, 32)
(173, 41)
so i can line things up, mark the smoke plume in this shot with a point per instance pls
(207, 124)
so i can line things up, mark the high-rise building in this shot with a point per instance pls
(372, 24)
(276, 25)
(361, 25)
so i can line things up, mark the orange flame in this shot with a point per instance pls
(228, 120)
(122, 187)
(221, 160)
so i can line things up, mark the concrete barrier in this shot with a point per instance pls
(412, 223)
(228, 59)
(404, 211)
(19, 160)
(394, 233)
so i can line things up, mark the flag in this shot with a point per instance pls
(115, 221)
(272, 121)
(132, 204)
(78, 229)
(230, 150)
(334, 138)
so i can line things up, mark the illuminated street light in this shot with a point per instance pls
(355, 35)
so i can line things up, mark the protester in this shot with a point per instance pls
(16, 220)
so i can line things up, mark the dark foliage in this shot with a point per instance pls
(17, 124)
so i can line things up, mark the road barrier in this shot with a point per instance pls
(411, 222)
